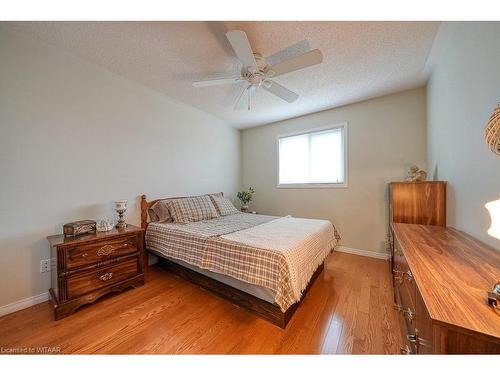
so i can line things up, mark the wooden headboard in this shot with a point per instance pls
(145, 205)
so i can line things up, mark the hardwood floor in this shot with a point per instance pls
(348, 310)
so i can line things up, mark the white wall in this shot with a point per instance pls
(386, 135)
(74, 137)
(462, 92)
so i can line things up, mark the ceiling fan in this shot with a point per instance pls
(257, 73)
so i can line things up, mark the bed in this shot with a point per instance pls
(263, 263)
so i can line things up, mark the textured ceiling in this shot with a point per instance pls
(361, 59)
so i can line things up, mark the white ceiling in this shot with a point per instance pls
(361, 59)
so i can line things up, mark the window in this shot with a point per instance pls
(313, 159)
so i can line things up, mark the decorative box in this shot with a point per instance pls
(78, 228)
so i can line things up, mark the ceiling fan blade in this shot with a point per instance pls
(241, 47)
(214, 82)
(243, 101)
(282, 92)
(298, 62)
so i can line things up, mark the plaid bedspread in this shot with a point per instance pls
(200, 244)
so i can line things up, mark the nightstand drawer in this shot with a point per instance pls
(84, 255)
(88, 281)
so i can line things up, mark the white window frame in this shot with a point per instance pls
(329, 185)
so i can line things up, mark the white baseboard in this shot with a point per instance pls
(365, 253)
(23, 304)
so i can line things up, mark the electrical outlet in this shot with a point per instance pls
(45, 265)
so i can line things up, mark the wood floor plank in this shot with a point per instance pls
(347, 310)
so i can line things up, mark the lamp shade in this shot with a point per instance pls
(493, 208)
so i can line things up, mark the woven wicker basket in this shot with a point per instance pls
(492, 131)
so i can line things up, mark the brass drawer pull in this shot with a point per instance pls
(409, 314)
(408, 276)
(106, 276)
(105, 250)
(405, 350)
(401, 276)
(412, 338)
(398, 275)
(85, 255)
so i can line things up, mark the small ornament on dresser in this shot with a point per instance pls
(105, 225)
(121, 207)
(78, 228)
(416, 174)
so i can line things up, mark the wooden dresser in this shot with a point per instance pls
(87, 267)
(415, 203)
(418, 202)
(441, 279)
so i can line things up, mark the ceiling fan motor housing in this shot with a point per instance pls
(261, 75)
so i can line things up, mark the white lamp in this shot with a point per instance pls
(493, 208)
(121, 207)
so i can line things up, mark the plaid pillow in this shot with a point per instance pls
(223, 205)
(159, 211)
(152, 216)
(190, 209)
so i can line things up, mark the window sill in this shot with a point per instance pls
(312, 186)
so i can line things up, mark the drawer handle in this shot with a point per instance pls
(412, 338)
(105, 250)
(106, 276)
(405, 350)
(398, 275)
(85, 255)
(401, 276)
(408, 276)
(410, 314)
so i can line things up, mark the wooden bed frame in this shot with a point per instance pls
(264, 309)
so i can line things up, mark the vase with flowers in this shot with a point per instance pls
(245, 197)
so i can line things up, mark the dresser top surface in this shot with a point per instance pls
(60, 240)
(417, 182)
(453, 272)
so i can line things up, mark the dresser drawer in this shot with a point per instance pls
(84, 255)
(406, 324)
(403, 278)
(85, 282)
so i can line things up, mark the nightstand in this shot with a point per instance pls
(87, 267)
